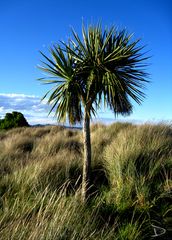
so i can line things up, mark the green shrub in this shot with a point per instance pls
(12, 120)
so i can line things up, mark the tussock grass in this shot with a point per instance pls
(103, 135)
(40, 180)
(58, 139)
(139, 168)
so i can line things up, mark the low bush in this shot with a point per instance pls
(12, 120)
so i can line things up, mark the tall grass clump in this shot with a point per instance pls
(103, 135)
(139, 167)
(29, 212)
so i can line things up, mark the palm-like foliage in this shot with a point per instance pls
(66, 95)
(102, 66)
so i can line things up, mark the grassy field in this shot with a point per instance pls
(131, 192)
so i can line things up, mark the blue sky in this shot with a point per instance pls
(29, 26)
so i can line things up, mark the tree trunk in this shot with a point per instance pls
(87, 157)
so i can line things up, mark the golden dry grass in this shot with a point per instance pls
(40, 177)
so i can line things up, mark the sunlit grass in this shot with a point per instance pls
(40, 180)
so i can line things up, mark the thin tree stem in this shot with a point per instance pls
(87, 157)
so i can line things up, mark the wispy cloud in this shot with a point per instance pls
(35, 110)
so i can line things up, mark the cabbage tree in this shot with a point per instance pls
(103, 66)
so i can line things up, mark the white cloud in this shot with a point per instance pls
(35, 110)
(1, 109)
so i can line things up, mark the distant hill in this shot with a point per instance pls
(65, 126)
